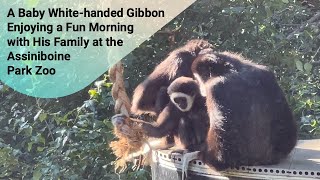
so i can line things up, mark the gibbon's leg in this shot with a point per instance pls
(179, 148)
(186, 159)
(178, 151)
(152, 144)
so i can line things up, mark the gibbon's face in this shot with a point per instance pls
(182, 101)
(182, 92)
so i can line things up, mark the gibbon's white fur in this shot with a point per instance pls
(202, 88)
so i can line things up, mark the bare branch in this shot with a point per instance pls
(316, 53)
(302, 27)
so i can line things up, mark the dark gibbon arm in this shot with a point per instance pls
(166, 123)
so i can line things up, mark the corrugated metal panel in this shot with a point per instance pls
(303, 163)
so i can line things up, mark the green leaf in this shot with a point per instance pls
(28, 131)
(30, 146)
(285, 1)
(93, 93)
(108, 85)
(299, 65)
(309, 103)
(313, 123)
(269, 12)
(237, 10)
(36, 174)
(307, 67)
(41, 139)
(262, 28)
(40, 149)
(43, 116)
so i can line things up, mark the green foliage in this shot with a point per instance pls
(67, 138)
(39, 142)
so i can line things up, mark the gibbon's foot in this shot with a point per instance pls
(187, 157)
(137, 163)
(118, 120)
(179, 151)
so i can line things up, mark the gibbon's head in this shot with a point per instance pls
(207, 66)
(179, 61)
(182, 92)
(194, 46)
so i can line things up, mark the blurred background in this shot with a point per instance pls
(67, 138)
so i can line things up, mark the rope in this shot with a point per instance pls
(122, 101)
(130, 135)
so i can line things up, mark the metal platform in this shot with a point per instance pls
(303, 163)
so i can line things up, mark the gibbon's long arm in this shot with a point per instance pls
(167, 120)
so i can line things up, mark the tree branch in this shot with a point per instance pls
(302, 27)
(316, 53)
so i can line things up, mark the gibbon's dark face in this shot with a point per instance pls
(182, 92)
(182, 101)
